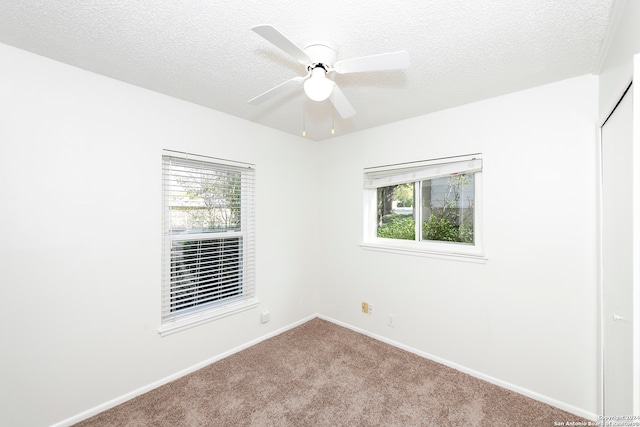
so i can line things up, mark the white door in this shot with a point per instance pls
(617, 258)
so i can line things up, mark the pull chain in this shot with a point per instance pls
(304, 116)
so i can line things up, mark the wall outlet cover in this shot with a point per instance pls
(365, 307)
(265, 316)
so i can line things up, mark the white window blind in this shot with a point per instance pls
(387, 176)
(208, 235)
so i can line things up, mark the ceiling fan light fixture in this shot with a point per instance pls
(320, 58)
(318, 87)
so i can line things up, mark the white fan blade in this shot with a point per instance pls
(341, 103)
(274, 91)
(271, 34)
(384, 61)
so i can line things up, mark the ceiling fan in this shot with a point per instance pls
(319, 60)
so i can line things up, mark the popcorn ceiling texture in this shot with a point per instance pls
(204, 51)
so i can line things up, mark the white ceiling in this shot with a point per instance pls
(204, 51)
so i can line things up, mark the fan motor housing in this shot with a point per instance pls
(321, 55)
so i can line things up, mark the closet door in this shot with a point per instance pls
(617, 257)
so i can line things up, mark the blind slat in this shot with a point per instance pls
(206, 293)
(180, 280)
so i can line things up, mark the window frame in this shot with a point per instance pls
(416, 172)
(193, 316)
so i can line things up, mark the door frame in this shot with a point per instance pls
(636, 241)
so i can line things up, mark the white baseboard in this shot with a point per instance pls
(528, 393)
(128, 396)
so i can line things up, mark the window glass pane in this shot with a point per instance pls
(395, 212)
(204, 200)
(447, 208)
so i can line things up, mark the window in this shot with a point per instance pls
(208, 237)
(430, 208)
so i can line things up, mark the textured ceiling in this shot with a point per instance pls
(205, 52)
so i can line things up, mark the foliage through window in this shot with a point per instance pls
(426, 202)
(446, 212)
(208, 239)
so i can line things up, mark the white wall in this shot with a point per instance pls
(528, 317)
(80, 165)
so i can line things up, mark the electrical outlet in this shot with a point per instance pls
(365, 307)
(370, 308)
(391, 320)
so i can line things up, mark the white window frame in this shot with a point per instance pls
(414, 172)
(172, 322)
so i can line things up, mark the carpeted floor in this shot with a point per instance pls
(321, 374)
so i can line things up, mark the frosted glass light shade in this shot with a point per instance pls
(318, 87)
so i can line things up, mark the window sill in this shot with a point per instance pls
(187, 322)
(416, 251)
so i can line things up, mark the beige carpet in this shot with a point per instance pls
(321, 374)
